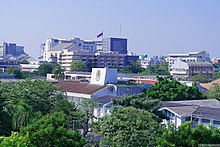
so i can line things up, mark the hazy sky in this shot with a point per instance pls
(153, 27)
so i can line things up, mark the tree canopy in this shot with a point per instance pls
(186, 136)
(44, 69)
(134, 67)
(213, 92)
(78, 65)
(159, 69)
(199, 78)
(167, 89)
(128, 126)
(16, 71)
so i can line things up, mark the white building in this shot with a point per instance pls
(205, 112)
(189, 57)
(180, 69)
(50, 43)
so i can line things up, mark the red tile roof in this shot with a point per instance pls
(210, 84)
(79, 87)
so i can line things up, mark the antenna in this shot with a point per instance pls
(120, 30)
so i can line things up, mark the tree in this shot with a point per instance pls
(84, 115)
(216, 75)
(199, 78)
(5, 119)
(128, 126)
(58, 72)
(167, 89)
(161, 69)
(50, 130)
(78, 65)
(140, 101)
(134, 67)
(24, 62)
(15, 140)
(16, 71)
(44, 69)
(213, 92)
(29, 99)
(186, 136)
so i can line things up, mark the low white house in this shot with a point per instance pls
(205, 112)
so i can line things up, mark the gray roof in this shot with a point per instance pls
(77, 72)
(62, 46)
(183, 110)
(209, 108)
(105, 99)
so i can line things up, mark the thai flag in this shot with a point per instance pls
(100, 35)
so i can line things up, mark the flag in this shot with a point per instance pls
(100, 35)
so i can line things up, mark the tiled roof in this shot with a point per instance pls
(79, 87)
(210, 84)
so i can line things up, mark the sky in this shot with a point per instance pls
(152, 27)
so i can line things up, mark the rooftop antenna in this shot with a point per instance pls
(120, 30)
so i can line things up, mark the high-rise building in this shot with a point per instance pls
(11, 48)
(114, 45)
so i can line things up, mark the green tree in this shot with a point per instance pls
(84, 115)
(78, 65)
(15, 140)
(52, 130)
(16, 71)
(161, 69)
(199, 78)
(216, 75)
(140, 101)
(58, 72)
(128, 126)
(44, 69)
(186, 136)
(5, 119)
(167, 89)
(134, 67)
(213, 92)
(24, 62)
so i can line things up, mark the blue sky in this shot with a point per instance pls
(153, 27)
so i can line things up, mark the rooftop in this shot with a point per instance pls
(79, 87)
(62, 46)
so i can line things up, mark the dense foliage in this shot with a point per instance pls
(199, 78)
(213, 92)
(167, 89)
(78, 65)
(134, 67)
(159, 69)
(216, 75)
(15, 71)
(128, 126)
(186, 136)
(44, 69)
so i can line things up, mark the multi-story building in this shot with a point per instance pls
(182, 69)
(216, 61)
(189, 57)
(11, 48)
(114, 45)
(87, 45)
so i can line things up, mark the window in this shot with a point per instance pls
(205, 120)
(216, 122)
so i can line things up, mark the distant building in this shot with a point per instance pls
(205, 112)
(189, 57)
(11, 48)
(115, 45)
(185, 70)
(216, 61)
